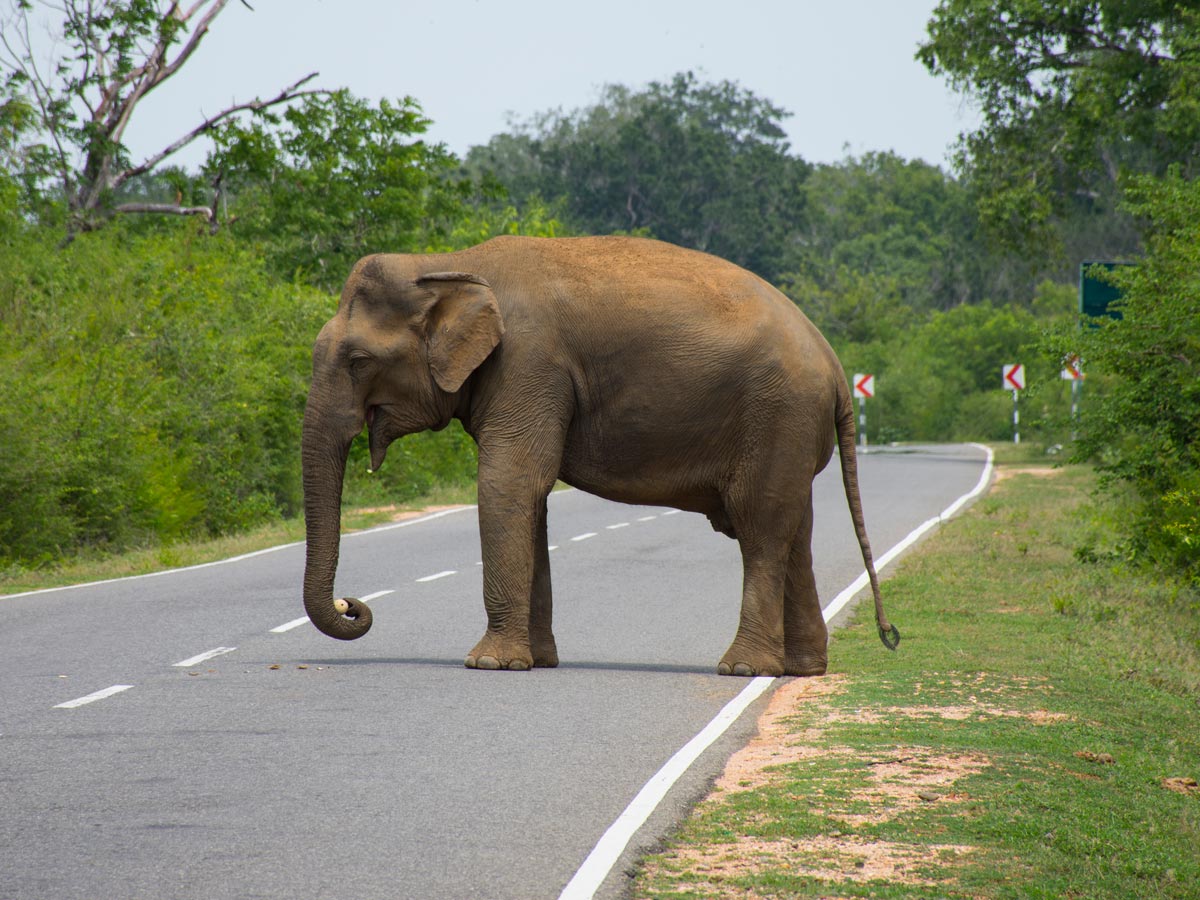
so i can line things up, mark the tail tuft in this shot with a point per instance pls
(890, 636)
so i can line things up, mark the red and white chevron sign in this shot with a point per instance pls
(1014, 377)
(864, 386)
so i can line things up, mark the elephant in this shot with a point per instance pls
(630, 368)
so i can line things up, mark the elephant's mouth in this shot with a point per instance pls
(377, 440)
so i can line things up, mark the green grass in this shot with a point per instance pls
(1018, 745)
(98, 567)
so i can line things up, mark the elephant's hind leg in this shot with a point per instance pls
(806, 637)
(765, 533)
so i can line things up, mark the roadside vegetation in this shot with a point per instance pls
(156, 323)
(1037, 734)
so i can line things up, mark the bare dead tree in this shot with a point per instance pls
(117, 52)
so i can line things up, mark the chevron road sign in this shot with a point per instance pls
(1014, 377)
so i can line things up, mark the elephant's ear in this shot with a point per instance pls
(463, 325)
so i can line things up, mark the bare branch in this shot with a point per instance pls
(154, 72)
(43, 96)
(287, 94)
(117, 111)
(190, 47)
(164, 208)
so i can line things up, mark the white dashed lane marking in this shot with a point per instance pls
(288, 626)
(92, 698)
(584, 537)
(436, 575)
(203, 657)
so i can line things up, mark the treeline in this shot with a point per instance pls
(156, 365)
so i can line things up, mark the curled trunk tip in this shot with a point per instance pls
(344, 618)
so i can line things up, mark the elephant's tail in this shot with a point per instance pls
(849, 457)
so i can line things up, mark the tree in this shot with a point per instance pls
(65, 125)
(334, 177)
(1073, 93)
(902, 220)
(701, 165)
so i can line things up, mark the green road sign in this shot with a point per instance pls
(1095, 296)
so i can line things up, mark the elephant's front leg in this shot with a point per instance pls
(516, 570)
(541, 599)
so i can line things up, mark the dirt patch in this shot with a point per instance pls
(910, 778)
(907, 778)
(1188, 786)
(959, 713)
(1003, 473)
(776, 744)
(396, 514)
(835, 858)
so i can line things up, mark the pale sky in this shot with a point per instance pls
(845, 70)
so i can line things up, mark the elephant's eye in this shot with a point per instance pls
(359, 364)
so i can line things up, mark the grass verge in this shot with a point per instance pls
(99, 567)
(1036, 735)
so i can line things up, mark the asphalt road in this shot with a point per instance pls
(289, 765)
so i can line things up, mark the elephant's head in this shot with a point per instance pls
(395, 357)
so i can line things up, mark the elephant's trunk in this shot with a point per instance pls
(324, 453)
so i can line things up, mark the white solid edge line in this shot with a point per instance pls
(203, 657)
(233, 559)
(608, 850)
(587, 880)
(92, 698)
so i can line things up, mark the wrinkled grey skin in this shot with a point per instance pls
(633, 369)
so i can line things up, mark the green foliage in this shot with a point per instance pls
(903, 220)
(416, 465)
(156, 389)
(1073, 94)
(939, 379)
(334, 178)
(1144, 426)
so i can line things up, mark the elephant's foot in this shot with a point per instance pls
(747, 665)
(493, 652)
(806, 664)
(545, 652)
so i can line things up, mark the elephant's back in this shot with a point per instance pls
(612, 299)
(636, 275)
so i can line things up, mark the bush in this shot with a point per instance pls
(1144, 428)
(156, 391)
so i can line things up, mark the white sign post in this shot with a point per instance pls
(1013, 379)
(1072, 371)
(864, 388)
